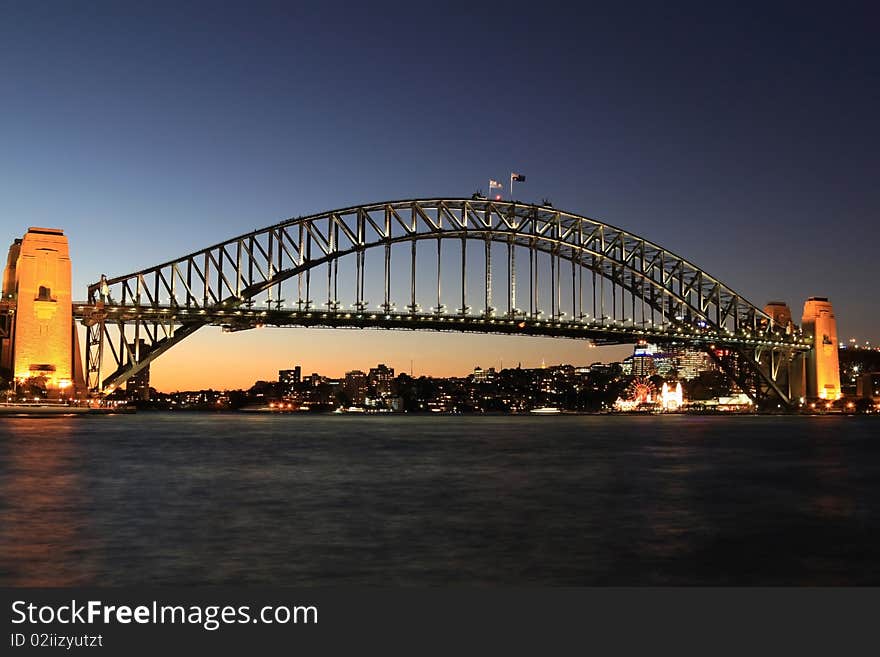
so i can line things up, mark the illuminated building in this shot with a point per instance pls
(290, 380)
(822, 366)
(643, 359)
(690, 362)
(355, 386)
(664, 363)
(641, 363)
(484, 376)
(648, 360)
(671, 398)
(41, 341)
(381, 378)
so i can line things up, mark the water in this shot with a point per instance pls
(405, 500)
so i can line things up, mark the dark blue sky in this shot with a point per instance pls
(742, 137)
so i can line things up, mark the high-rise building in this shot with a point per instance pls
(381, 379)
(355, 386)
(290, 380)
(641, 363)
(822, 366)
(690, 362)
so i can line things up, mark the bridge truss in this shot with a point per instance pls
(455, 265)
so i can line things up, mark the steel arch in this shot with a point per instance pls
(167, 302)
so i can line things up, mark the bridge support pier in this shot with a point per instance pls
(39, 340)
(822, 380)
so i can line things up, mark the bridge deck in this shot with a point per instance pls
(606, 332)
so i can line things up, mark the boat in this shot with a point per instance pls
(545, 410)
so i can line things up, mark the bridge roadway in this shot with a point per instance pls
(609, 332)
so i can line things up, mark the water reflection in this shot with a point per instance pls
(43, 531)
(833, 497)
(231, 499)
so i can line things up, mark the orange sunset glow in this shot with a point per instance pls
(215, 359)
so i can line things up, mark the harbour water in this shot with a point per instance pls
(189, 499)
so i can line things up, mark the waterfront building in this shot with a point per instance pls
(671, 396)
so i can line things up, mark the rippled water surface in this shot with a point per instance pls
(325, 500)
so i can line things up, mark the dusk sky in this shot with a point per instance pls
(744, 139)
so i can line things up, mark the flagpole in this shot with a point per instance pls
(511, 186)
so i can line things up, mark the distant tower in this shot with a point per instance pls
(37, 281)
(822, 367)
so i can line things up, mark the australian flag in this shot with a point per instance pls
(517, 177)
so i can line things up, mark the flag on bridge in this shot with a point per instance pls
(517, 177)
(494, 184)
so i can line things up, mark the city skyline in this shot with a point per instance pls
(254, 123)
(622, 354)
(435, 360)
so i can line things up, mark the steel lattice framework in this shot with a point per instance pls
(597, 282)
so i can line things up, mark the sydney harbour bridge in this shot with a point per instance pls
(442, 264)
